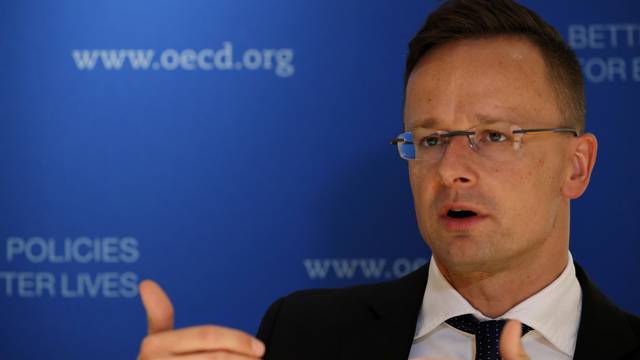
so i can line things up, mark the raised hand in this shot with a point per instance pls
(191, 343)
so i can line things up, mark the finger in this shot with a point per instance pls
(211, 356)
(511, 342)
(157, 305)
(203, 338)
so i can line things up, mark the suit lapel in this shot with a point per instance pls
(386, 328)
(604, 332)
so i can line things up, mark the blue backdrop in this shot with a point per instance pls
(235, 151)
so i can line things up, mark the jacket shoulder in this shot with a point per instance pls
(634, 323)
(324, 305)
(605, 330)
(306, 318)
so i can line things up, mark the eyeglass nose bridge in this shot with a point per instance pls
(469, 134)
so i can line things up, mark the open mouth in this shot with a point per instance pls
(460, 214)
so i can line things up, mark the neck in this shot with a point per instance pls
(495, 293)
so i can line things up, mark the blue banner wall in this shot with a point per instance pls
(235, 151)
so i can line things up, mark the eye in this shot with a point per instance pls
(493, 136)
(430, 141)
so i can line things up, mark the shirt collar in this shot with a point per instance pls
(554, 311)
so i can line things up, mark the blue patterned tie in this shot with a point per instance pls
(487, 334)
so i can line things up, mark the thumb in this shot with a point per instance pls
(157, 306)
(511, 342)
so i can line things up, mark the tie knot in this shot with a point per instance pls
(487, 334)
(470, 324)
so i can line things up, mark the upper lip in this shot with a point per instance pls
(444, 210)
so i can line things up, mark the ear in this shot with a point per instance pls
(583, 158)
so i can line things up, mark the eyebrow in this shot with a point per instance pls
(429, 122)
(434, 123)
(489, 119)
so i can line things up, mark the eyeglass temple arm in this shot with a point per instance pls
(400, 141)
(545, 130)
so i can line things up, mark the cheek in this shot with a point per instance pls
(548, 166)
(536, 190)
(422, 182)
(546, 177)
(416, 179)
(417, 176)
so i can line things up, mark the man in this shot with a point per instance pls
(494, 136)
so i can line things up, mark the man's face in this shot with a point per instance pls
(520, 208)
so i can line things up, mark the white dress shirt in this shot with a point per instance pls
(553, 313)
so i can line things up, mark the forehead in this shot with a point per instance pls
(464, 82)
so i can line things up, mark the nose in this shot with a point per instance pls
(455, 168)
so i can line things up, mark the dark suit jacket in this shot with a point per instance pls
(378, 322)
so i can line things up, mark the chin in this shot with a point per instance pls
(467, 256)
